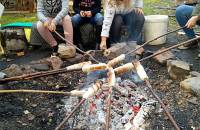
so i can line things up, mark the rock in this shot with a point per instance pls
(55, 62)
(199, 55)
(195, 74)
(66, 51)
(2, 75)
(13, 70)
(116, 50)
(193, 100)
(15, 45)
(162, 58)
(191, 85)
(122, 48)
(40, 67)
(77, 58)
(178, 69)
(133, 45)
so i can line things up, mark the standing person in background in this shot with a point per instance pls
(189, 14)
(118, 13)
(87, 11)
(51, 13)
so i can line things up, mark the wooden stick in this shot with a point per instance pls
(76, 47)
(132, 51)
(73, 111)
(35, 91)
(163, 105)
(169, 48)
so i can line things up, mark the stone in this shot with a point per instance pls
(13, 70)
(15, 45)
(195, 74)
(122, 48)
(77, 58)
(2, 75)
(40, 67)
(116, 50)
(191, 85)
(55, 62)
(66, 51)
(178, 69)
(199, 55)
(162, 58)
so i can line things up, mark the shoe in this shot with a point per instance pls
(55, 51)
(194, 44)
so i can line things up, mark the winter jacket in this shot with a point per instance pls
(87, 5)
(111, 10)
(56, 9)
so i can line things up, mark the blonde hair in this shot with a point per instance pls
(127, 3)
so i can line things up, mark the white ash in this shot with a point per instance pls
(135, 107)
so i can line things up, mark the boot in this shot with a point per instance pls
(191, 45)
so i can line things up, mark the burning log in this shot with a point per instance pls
(94, 67)
(123, 69)
(90, 92)
(116, 60)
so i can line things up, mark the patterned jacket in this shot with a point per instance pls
(56, 9)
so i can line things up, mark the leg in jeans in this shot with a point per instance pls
(135, 22)
(183, 14)
(68, 30)
(116, 28)
(98, 21)
(76, 21)
(46, 34)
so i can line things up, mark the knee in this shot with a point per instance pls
(39, 25)
(76, 19)
(141, 18)
(118, 19)
(184, 10)
(99, 19)
(67, 18)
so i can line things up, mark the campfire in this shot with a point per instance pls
(108, 102)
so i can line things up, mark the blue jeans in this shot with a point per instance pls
(96, 20)
(183, 14)
(134, 23)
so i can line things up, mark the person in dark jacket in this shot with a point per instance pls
(87, 11)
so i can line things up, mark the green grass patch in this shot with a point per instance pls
(150, 8)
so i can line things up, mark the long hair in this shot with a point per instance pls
(127, 3)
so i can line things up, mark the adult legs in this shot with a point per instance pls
(98, 21)
(116, 28)
(183, 14)
(135, 23)
(76, 21)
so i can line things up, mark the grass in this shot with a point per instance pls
(149, 9)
